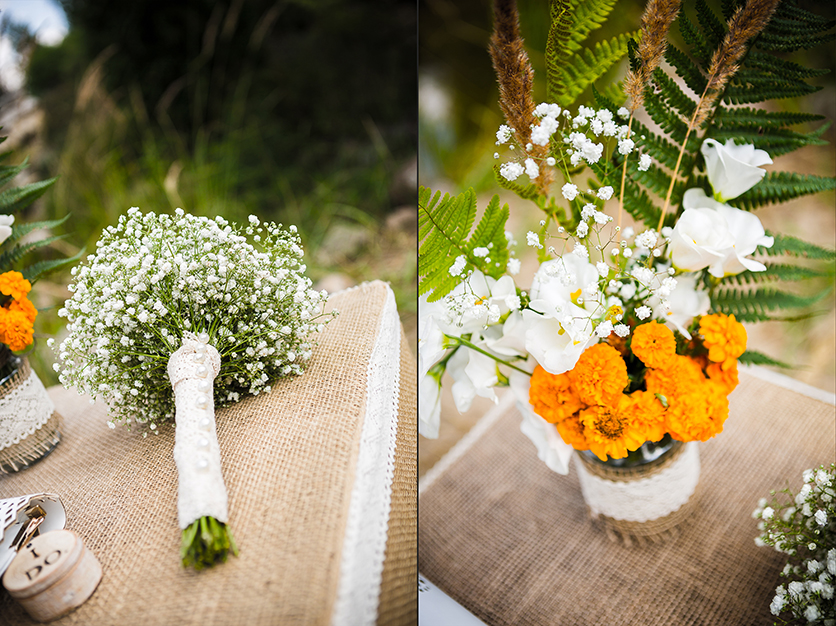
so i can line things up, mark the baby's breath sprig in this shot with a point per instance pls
(155, 277)
(804, 528)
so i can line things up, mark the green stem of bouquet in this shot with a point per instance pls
(206, 542)
(466, 343)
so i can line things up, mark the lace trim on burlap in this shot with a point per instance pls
(364, 545)
(25, 407)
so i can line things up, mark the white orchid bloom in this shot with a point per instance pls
(429, 406)
(685, 302)
(6, 222)
(551, 449)
(474, 374)
(430, 343)
(733, 170)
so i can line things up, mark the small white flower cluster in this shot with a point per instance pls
(154, 277)
(805, 529)
(585, 135)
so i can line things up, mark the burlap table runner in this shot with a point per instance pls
(288, 459)
(511, 541)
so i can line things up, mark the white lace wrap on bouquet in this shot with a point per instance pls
(24, 409)
(648, 498)
(201, 490)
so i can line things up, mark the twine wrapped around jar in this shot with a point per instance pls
(30, 427)
(641, 502)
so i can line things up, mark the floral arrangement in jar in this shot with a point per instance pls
(804, 528)
(625, 342)
(29, 425)
(175, 314)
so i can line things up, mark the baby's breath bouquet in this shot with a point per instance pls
(230, 303)
(623, 336)
(803, 527)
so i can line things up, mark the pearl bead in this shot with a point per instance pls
(202, 463)
(201, 348)
(202, 401)
(203, 337)
(204, 385)
(202, 371)
(199, 357)
(204, 424)
(203, 442)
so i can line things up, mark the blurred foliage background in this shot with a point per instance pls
(459, 115)
(300, 112)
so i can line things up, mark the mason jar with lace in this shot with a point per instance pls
(30, 427)
(645, 495)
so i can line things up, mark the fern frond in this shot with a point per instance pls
(701, 48)
(776, 142)
(714, 30)
(755, 305)
(746, 117)
(793, 246)
(17, 198)
(8, 172)
(782, 67)
(557, 50)
(10, 257)
(776, 272)
(588, 15)
(752, 357)
(36, 271)
(673, 95)
(590, 64)
(19, 231)
(444, 225)
(685, 69)
(782, 186)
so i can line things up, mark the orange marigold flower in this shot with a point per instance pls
(723, 336)
(654, 344)
(610, 430)
(571, 430)
(699, 415)
(648, 414)
(15, 285)
(26, 307)
(552, 396)
(17, 331)
(599, 375)
(724, 373)
(682, 376)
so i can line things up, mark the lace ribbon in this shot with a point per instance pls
(24, 410)
(200, 484)
(647, 498)
(364, 544)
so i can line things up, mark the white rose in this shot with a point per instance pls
(429, 407)
(714, 235)
(6, 222)
(733, 170)
(699, 238)
(748, 234)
